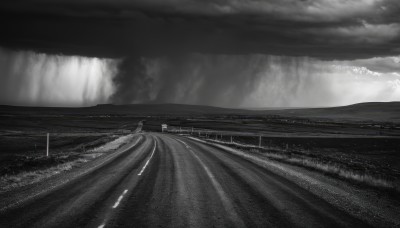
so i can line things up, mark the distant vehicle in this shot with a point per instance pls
(164, 127)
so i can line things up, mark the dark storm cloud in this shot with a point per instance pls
(255, 81)
(219, 52)
(132, 82)
(333, 29)
(210, 80)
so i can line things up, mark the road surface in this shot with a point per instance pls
(170, 181)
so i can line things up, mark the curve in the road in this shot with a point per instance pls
(172, 181)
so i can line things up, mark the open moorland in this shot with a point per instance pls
(355, 150)
(351, 139)
(314, 151)
(73, 139)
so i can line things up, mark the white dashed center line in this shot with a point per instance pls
(152, 153)
(119, 199)
(186, 145)
(116, 204)
(225, 201)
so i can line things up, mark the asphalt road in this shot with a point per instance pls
(171, 181)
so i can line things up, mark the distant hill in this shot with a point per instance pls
(165, 109)
(377, 111)
(131, 109)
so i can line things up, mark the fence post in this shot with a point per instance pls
(259, 142)
(48, 138)
(231, 139)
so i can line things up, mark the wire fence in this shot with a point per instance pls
(234, 138)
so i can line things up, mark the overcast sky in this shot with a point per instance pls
(231, 53)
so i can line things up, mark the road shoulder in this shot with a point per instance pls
(21, 195)
(366, 204)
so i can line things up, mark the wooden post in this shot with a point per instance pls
(231, 139)
(259, 142)
(48, 138)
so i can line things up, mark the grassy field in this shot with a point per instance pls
(373, 166)
(25, 170)
(320, 139)
(72, 137)
(364, 152)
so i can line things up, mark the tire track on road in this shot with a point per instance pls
(229, 208)
(301, 206)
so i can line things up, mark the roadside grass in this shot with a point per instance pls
(343, 172)
(27, 170)
(10, 181)
(112, 145)
(342, 169)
